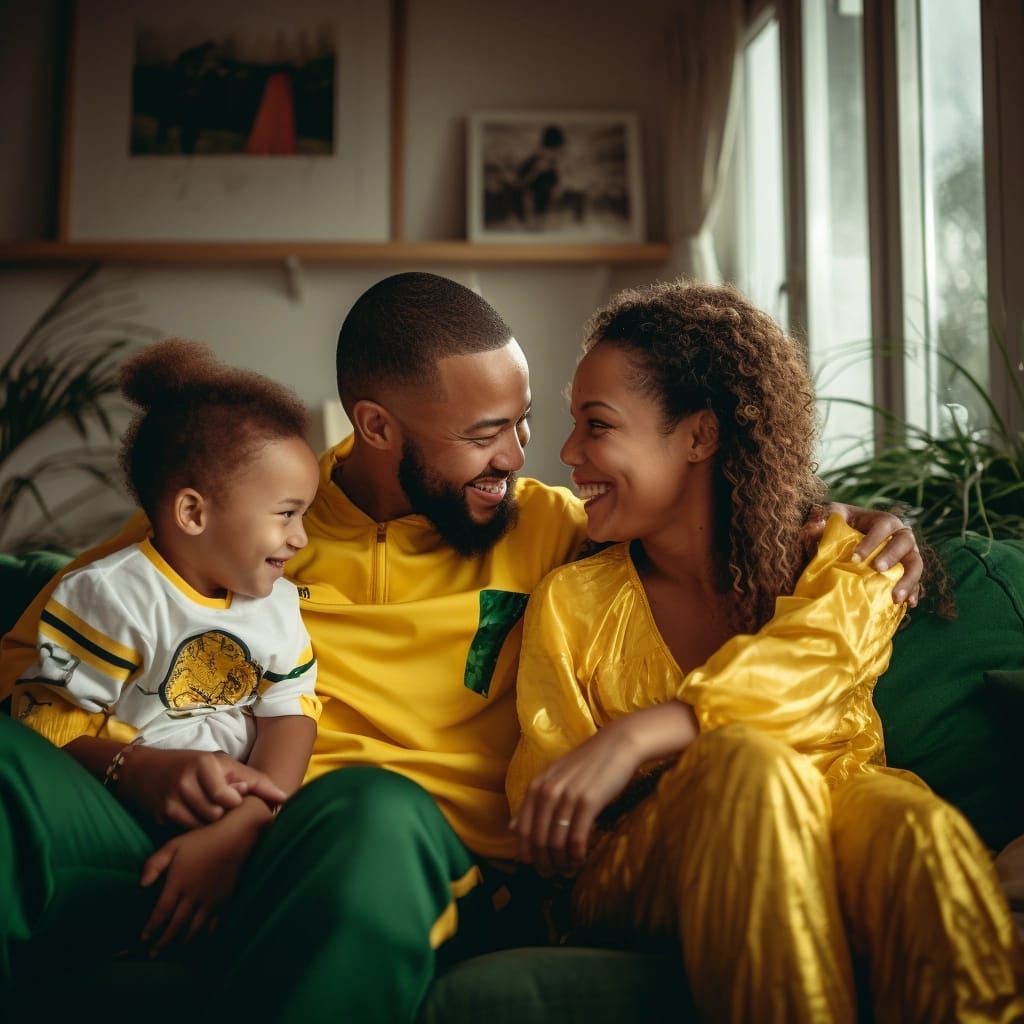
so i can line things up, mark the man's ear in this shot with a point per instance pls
(375, 425)
(189, 511)
(704, 441)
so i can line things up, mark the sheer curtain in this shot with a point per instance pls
(704, 44)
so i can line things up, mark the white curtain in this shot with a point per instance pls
(704, 70)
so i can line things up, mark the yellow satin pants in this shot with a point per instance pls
(776, 886)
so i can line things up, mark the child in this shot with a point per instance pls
(178, 670)
(699, 746)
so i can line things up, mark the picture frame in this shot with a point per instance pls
(556, 176)
(231, 121)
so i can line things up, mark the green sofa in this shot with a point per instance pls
(951, 703)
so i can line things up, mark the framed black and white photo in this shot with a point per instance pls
(199, 121)
(554, 176)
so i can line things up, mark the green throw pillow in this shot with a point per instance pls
(952, 701)
(21, 578)
(1010, 689)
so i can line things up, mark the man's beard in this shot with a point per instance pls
(445, 505)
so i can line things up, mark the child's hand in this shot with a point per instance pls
(201, 869)
(190, 787)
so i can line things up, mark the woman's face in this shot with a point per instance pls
(636, 480)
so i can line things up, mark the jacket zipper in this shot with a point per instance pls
(379, 576)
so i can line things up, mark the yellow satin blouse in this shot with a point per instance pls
(592, 653)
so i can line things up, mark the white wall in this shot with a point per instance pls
(462, 55)
(467, 55)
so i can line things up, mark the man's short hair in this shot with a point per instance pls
(399, 329)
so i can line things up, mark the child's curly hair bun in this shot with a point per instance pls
(166, 368)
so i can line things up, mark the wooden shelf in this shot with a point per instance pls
(327, 253)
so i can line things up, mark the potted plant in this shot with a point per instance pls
(59, 416)
(967, 478)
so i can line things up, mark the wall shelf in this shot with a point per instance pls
(327, 253)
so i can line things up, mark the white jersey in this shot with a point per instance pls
(127, 637)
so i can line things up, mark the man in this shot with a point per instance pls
(423, 548)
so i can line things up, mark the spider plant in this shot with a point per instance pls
(946, 484)
(63, 374)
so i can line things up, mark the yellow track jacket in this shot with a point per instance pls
(417, 647)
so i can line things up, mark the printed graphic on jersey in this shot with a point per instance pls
(500, 610)
(25, 704)
(208, 670)
(55, 664)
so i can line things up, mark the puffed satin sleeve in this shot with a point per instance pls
(807, 676)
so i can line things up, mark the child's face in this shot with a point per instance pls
(636, 479)
(255, 525)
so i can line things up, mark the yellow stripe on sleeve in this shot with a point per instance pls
(88, 644)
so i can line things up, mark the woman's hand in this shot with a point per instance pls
(876, 525)
(556, 820)
(201, 869)
(190, 787)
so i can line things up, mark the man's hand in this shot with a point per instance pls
(876, 525)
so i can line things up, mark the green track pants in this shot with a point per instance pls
(334, 918)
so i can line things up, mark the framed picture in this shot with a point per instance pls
(554, 176)
(220, 121)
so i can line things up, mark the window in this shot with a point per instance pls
(942, 210)
(884, 130)
(838, 284)
(761, 201)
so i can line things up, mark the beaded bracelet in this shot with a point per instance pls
(112, 773)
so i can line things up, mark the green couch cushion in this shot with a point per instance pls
(952, 701)
(21, 578)
(567, 984)
(1009, 687)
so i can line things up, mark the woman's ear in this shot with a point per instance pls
(375, 425)
(704, 438)
(188, 511)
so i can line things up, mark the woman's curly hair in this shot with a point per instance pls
(697, 346)
(198, 420)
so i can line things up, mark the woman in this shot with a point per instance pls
(700, 749)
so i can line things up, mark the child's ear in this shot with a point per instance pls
(375, 425)
(188, 511)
